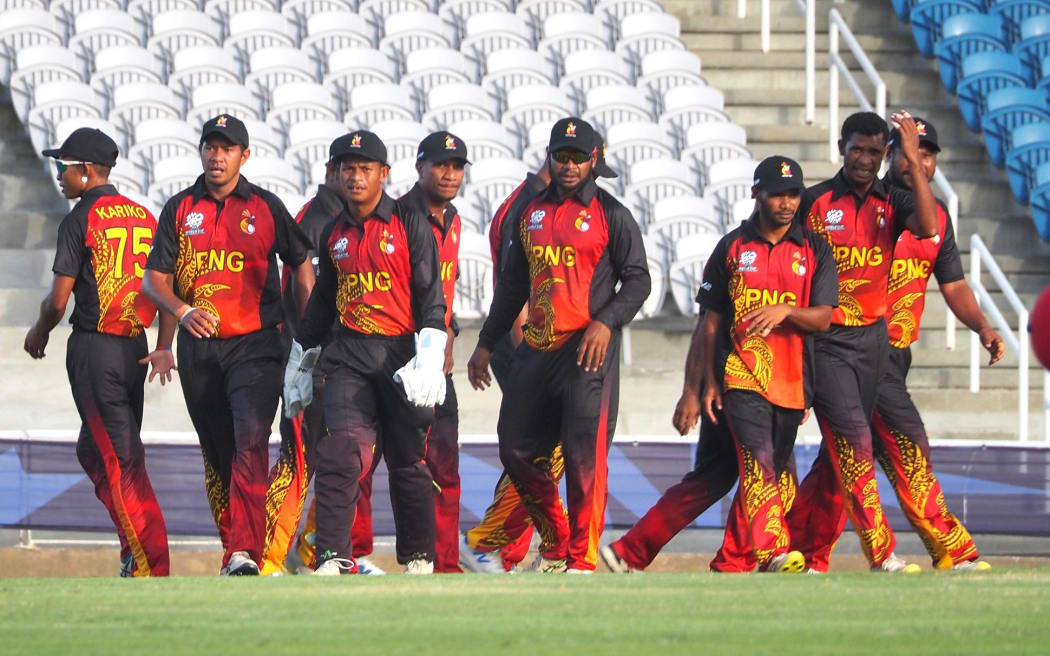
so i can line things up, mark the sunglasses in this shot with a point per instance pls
(62, 166)
(566, 156)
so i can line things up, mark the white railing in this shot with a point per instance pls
(1017, 341)
(837, 28)
(951, 199)
(808, 9)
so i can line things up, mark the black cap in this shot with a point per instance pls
(572, 132)
(360, 143)
(927, 135)
(441, 147)
(775, 174)
(602, 168)
(87, 145)
(337, 147)
(228, 126)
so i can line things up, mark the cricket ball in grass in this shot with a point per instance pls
(1039, 327)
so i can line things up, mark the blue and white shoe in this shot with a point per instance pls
(368, 568)
(479, 562)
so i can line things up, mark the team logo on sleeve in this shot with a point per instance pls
(536, 220)
(339, 248)
(247, 222)
(833, 220)
(747, 261)
(450, 143)
(798, 264)
(386, 243)
(194, 223)
(583, 221)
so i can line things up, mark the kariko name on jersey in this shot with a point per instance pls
(851, 257)
(123, 211)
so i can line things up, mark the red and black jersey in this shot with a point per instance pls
(378, 277)
(746, 272)
(565, 260)
(223, 253)
(512, 206)
(447, 233)
(312, 219)
(914, 260)
(861, 232)
(102, 244)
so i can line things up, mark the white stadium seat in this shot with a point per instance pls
(708, 143)
(401, 138)
(676, 217)
(537, 137)
(172, 175)
(620, 8)
(494, 179)
(686, 106)
(8, 5)
(254, 30)
(308, 142)
(135, 103)
(200, 65)
(535, 103)
(352, 67)
(277, 175)
(627, 143)
(123, 65)
(318, 171)
(492, 32)
(727, 182)
(656, 260)
(587, 69)
(209, 100)
(272, 67)
(138, 197)
(23, 28)
(401, 178)
(65, 9)
(53, 102)
(263, 139)
(224, 9)
(332, 31)
(431, 67)
(303, 10)
(295, 102)
(65, 128)
(105, 28)
(648, 32)
(474, 286)
(541, 9)
(508, 69)
(130, 177)
(450, 103)
(485, 139)
(410, 31)
(160, 138)
(651, 180)
(371, 103)
(38, 64)
(180, 29)
(462, 10)
(565, 33)
(382, 8)
(670, 69)
(741, 211)
(294, 202)
(687, 271)
(144, 10)
(614, 104)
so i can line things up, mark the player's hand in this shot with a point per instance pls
(805, 417)
(163, 361)
(712, 399)
(766, 318)
(905, 123)
(686, 412)
(449, 360)
(36, 342)
(478, 368)
(199, 323)
(591, 353)
(993, 343)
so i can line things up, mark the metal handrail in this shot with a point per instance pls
(951, 199)
(808, 9)
(837, 27)
(979, 254)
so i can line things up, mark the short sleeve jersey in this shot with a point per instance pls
(861, 233)
(447, 235)
(746, 272)
(224, 254)
(914, 260)
(102, 244)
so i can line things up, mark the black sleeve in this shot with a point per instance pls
(70, 251)
(512, 292)
(454, 325)
(320, 309)
(291, 244)
(714, 290)
(809, 196)
(428, 298)
(627, 256)
(903, 204)
(825, 284)
(165, 250)
(533, 187)
(948, 267)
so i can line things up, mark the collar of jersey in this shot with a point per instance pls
(415, 199)
(751, 233)
(384, 211)
(243, 189)
(840, 187)
(585, 193)
(99, 191)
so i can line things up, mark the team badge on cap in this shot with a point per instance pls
(221, 122)
(450, 143)
(570, 129)
(921, 128)
(355, 141)
(785, 170)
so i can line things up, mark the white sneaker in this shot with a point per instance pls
(791, 562)
(573, 570)
(335, 567)
(810, 570)
(972, 566)
(479, 562)
(419, 566)
(368, 568)
(547, 566)
(895, 564)
(613, 561)
(240, 564)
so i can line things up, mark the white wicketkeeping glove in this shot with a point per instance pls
(299, 379)
(423, 376)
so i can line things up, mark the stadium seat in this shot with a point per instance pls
(460, 11)
(24, 28)
(401, 138)
(641, 34)
(741, 211)
(903, 9)
(629, 142)
(927, 17)
(308, 142)
(508, 69)
(449, 103)
(295, 202)
(618, 9)
(687, 106)
(301, 11)
(708, 143)
(408, 32)
(652, 180)
(1034, 45)
(613, 104)
(1015, 12)
(475, 212)
(145, 10)
(104, 28)
(138, 197)
(1008, 109)
(209, 100)
(1029, 149)
(179, 29)
(224, 9)
(38, 64)
(272, 67)
(656, 259)
(135, 103)
(674, 217)
(474, 285)
(379, 10)
(130, 177)
(172, 175)
(981, 74)
(494, 179)
(570, 32)
(727, 182)
(1040, 201)
(277, 175)
(372, 103)
(486, 139)
(536, 139)
(65, 128)
(587, 69)
(54, 102)
(332, 31)
(353, 67)
(540, 10)
(402, 177)
(66, 10)
(687, 271)
(489, 33)
(431, 67)
(535, 103)
(663, 70)
(200, 65)
(122, 65)
(250, 31)
(295, 102)
(161, 138)
(964, 35)
(263, 139)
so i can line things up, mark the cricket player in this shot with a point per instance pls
(861, 218)
(214, 266)
(99, 259)
(570, 247)
(381, 279)
(901, 444)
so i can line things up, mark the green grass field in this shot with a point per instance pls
(1005, 611)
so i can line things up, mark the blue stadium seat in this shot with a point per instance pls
(903, 9)
(927, 16)
(981, 74)
(1040, 196)
(1034, 45)
(1031, 149)
(1015, 12)
(1007, 110)
(963, 35)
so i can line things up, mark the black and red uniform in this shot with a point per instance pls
(901, 444)
(223, 257)
(850, 360)
(381, 279)
(565, 260)
(102, 244)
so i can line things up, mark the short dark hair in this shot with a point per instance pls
(101, 170)
(868, 124)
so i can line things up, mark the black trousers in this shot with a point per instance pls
(502, 356)
(361, 399)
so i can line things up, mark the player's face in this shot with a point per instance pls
(361, 180)
(899, 166)
(222, 160)
(70, 176)
(441, 180)
(779, 207)
(862, 156)
(570, 167)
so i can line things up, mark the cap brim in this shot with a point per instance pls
(52, 152)
(605, 171)
(442, 157)
(359, 155)
(932, 145)
(221, 133)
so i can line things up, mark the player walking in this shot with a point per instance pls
(213, 266)
(571, 246)
(101, 251)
